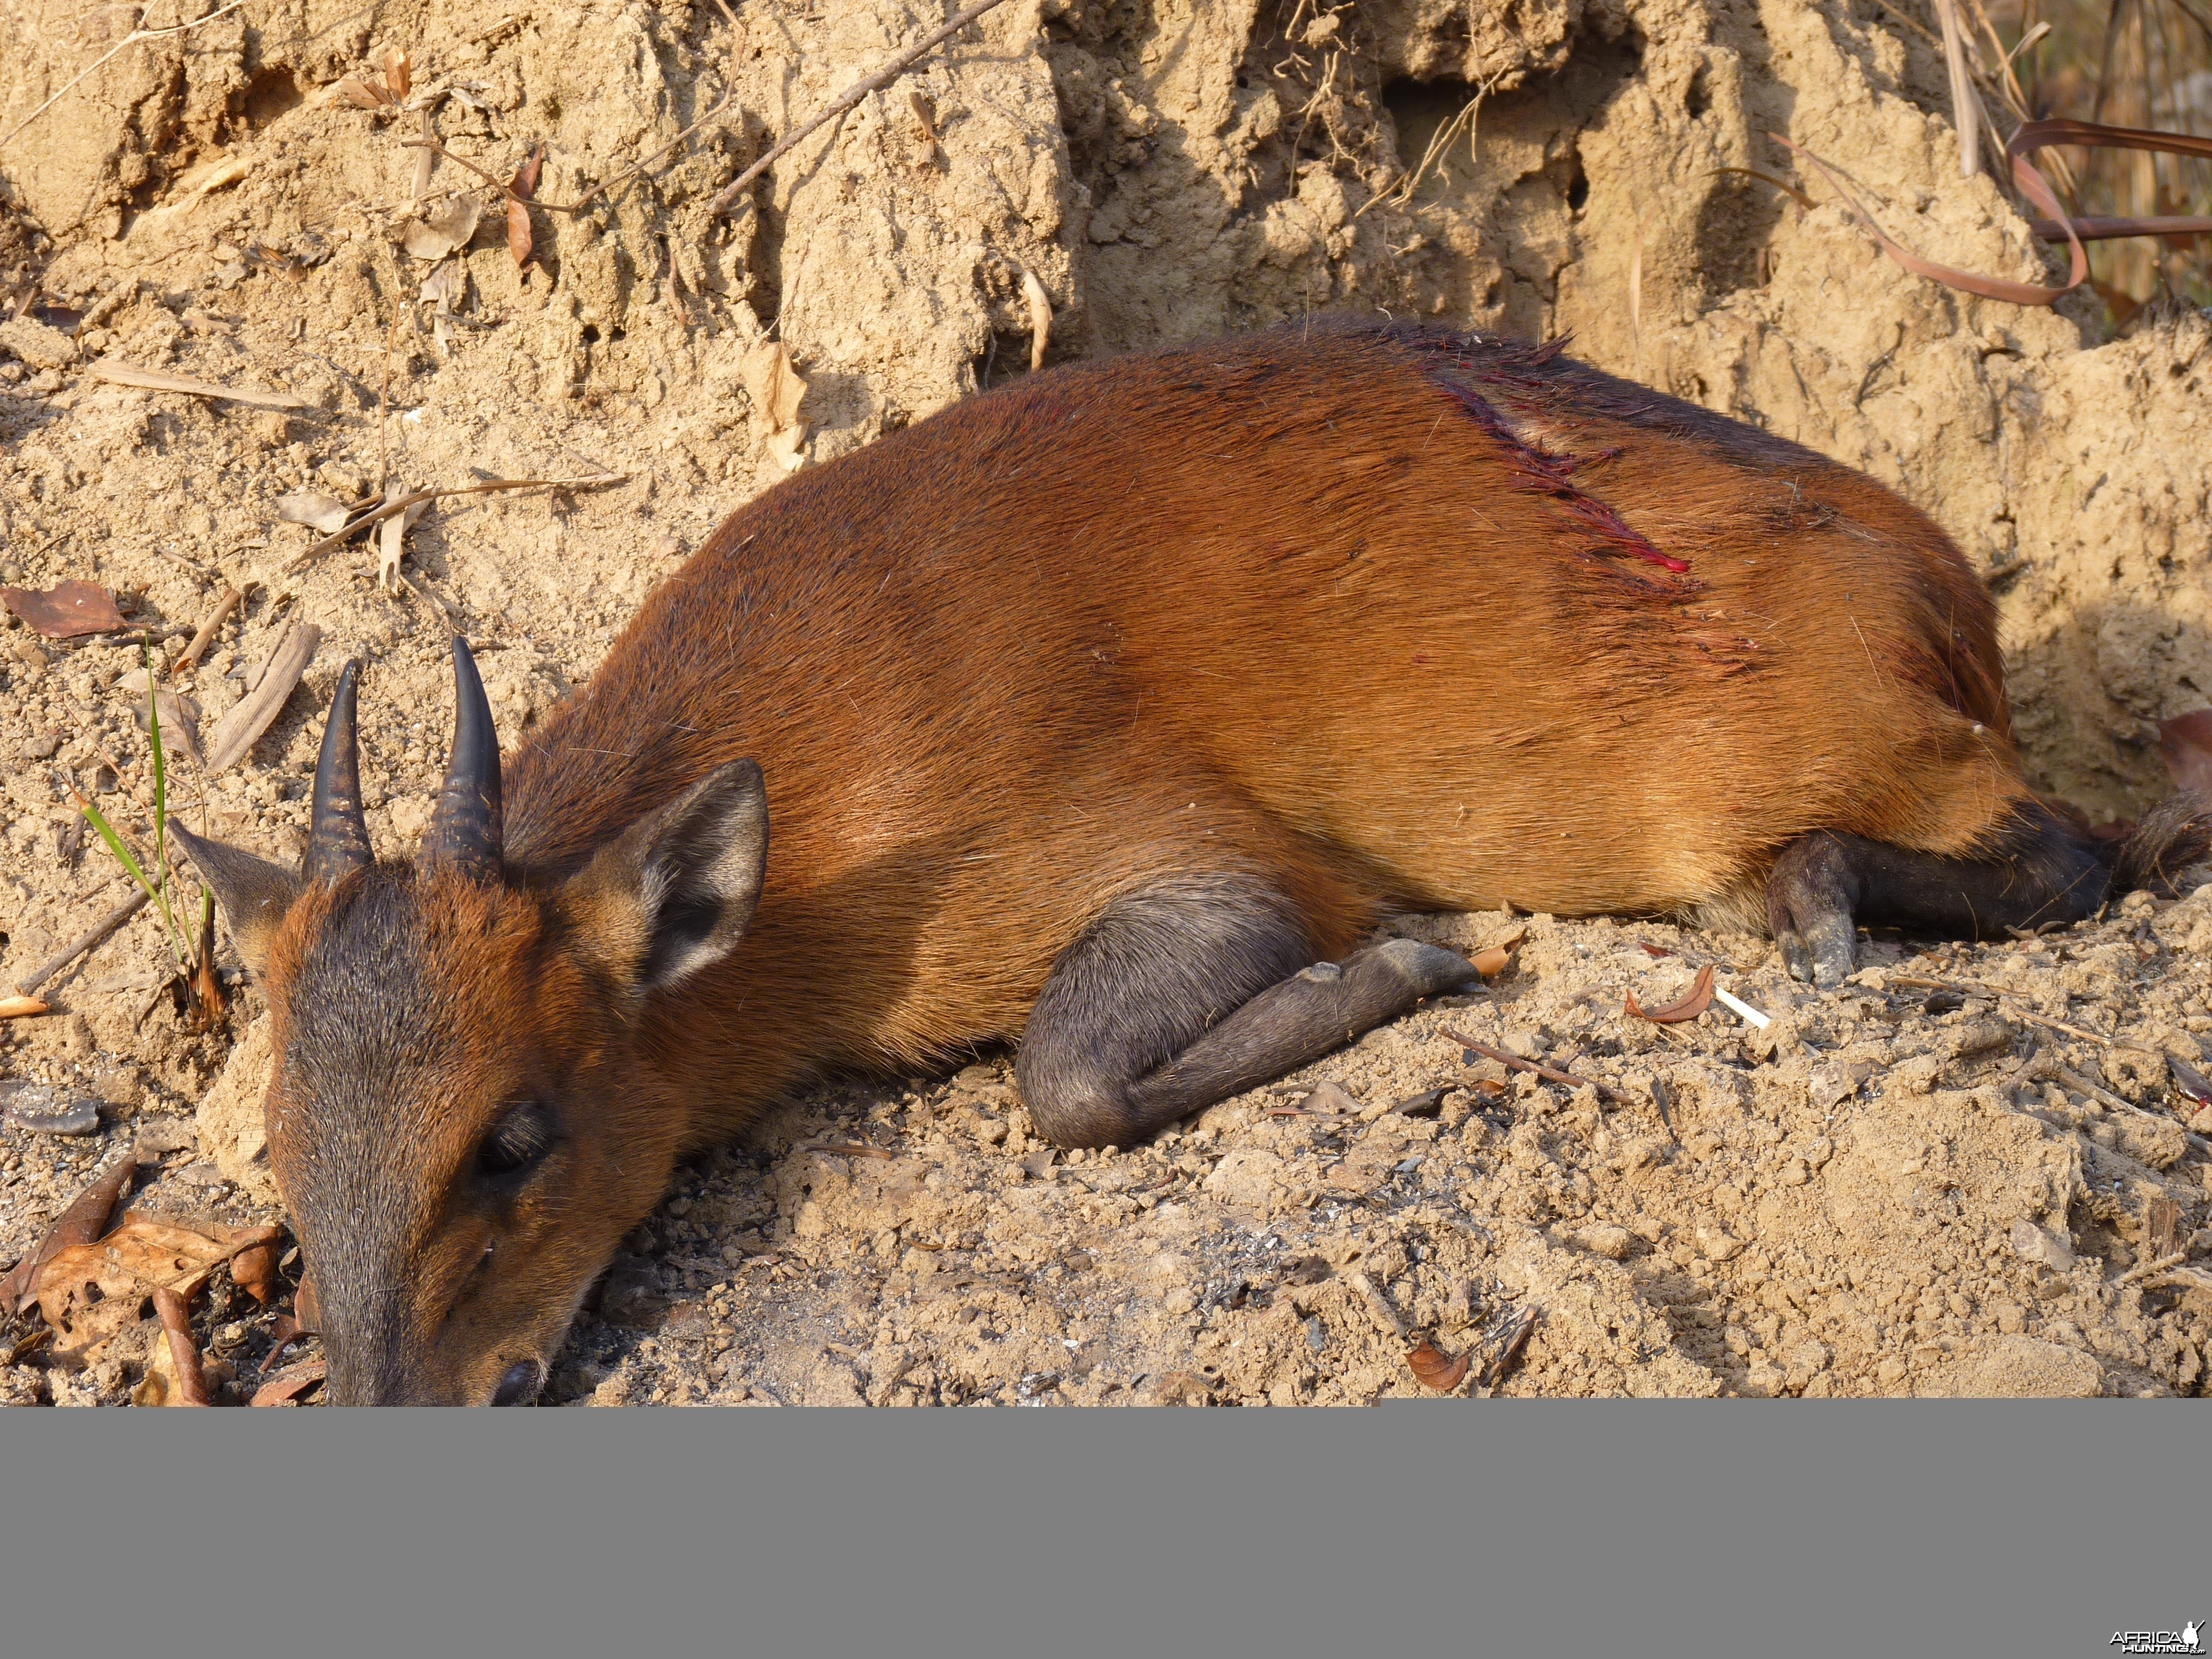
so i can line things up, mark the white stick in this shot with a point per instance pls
(1726, 1000)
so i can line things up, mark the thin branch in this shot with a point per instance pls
(377, 514)
(77, 947)
(585, 200)
(727, 195)
(116, 51)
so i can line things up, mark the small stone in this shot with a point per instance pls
(2201, 1122)
(2032, 1243)
(1796, 1173)
(44, 1110)
(2012, 1318)
(157, 1135)
(202, 1174)
(1890, 1371)
(39, 346)
(1522, 1043)
(41, 747)
(1716, 1245)
(1603, 1239)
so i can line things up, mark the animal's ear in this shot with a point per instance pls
(254, 894)
(674, 893)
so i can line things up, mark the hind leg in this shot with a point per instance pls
(1192, 991)
(1825, 886)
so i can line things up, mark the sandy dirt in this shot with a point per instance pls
(1880, 1193)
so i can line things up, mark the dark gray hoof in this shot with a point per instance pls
(1431, 970)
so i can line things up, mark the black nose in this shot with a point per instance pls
(521, 1385)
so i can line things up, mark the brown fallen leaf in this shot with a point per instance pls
(253, 1269)
(288, 1385)
(1656, 951)
(2186, 740)
(184, 1351)
(362, 95)
(520, 242)
(84, 1221)
(1495, 959)
(91, 1293)
(397, 77)
(1700, 1000)
(306, 1310)
(1431, 1370)
(66, 611)
(23, 1007)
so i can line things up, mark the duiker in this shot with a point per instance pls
(1104, 715)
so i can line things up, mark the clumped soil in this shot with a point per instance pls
(1881, 1193)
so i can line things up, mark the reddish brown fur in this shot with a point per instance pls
(1014, 661)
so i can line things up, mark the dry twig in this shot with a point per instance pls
(115, 51)
(727, 195)
(95, 935)
(387, 509)
(1550, 1074)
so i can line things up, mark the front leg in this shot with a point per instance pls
(1192, 991)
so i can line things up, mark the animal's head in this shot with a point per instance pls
(454, 1117)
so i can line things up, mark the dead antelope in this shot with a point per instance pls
(1106, 715)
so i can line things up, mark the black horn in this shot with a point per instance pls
(337, 844)
(467, 830)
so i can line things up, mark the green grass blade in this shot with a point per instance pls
(115, 845)
(160, 768)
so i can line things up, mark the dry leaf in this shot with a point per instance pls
(65, 611)
(180, 719)
(452, 227)
(1700, 1000)
(442, 289)
(90, 1293)
(254, 1271)
(397, 77)
(306, 1310)
(23, 1007)
(2187, 741)
(184, 1351)
(362, 95)
(325, 515)
(777, 389)
(288, 1385)
(519, 242)
(392, 537)
(1494, 960)
(149, 379)
(1432, 1370)
(84, 1220)
(197, 184)
(237, 731)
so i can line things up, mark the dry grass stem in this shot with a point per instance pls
(377, 515)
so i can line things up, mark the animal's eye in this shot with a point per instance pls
(519, 1141)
